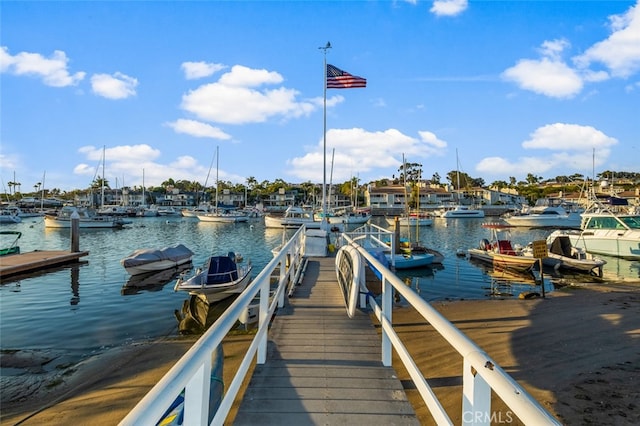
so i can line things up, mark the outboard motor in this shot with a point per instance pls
(232, 256)
(485, 244)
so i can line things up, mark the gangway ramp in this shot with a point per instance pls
(323, 367)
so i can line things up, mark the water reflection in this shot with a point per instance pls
(75, 285)
(196, 314)
(153, 281)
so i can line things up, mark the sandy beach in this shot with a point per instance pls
(576, 352)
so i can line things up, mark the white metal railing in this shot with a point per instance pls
(192, 372)
(480, 373)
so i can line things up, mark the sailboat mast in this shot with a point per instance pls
(324, 132)
(102, 189)
(331, 175)
(458, 174)
(44, 174)
(217, 181)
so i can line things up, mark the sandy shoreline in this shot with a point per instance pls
(577, 352)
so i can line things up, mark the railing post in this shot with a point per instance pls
(283, 274)
(387, 308)
(476, 397)
(196, 397)
(263, 319)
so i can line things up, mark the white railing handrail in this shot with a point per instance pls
(481, 374)
(192, 372)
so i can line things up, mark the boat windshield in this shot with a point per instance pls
(611, 222)
(632, 222)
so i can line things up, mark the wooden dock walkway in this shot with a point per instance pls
(35, 261)
(323, 367)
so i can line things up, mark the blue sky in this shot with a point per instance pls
(515, 87)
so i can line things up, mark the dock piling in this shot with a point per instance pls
(75, 232)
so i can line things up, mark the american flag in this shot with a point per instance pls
(338, 79)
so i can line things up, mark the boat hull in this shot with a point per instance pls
(404, 221)
(452, 214)
(609, 242)
(160, 265)
(218, 290)
(283, 222)
(221, 218)
(97, 222)
(539, 221)
(151, 260)
(514, 262)
(403, 261)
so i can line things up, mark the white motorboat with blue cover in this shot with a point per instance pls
(221, 277)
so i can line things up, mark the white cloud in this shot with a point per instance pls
(360, 151)
(571, 148)
(553, 48)
(502, 166)
(548, 76)
(242, 76)
(198, 129)
(562, 136)
(551, 76)
(135, 153)
(83, 169)
(431, 139)
(194, 70)
(448, 7)
(132, 161)
(53, 71)
(9, 161)
(620, 52)
(632, 87)
(116, 86)
(238, 98)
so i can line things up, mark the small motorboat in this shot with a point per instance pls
(562, 254)
(499, 251)
(221, 277)
(152, 260)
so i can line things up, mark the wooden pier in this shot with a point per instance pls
(36, 261)
(323, 367)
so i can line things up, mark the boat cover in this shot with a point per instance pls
(144, 256)
(222, 269)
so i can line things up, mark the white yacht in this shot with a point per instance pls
(460, 212)
(546, 217)
(610, 228)
(294, 217)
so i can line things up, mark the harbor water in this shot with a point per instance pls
(92, 306)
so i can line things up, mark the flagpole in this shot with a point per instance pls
(324, 133)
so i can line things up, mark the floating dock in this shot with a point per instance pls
(36, 261)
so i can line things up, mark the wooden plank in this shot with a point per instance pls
(322, 367)
(34, 261)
